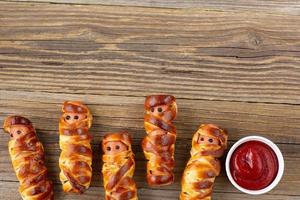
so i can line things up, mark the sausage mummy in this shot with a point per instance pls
(118, 167)
(209, 143)
(159, 144)
(76, 154)
(27, 155)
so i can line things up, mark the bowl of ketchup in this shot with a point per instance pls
(254, 165)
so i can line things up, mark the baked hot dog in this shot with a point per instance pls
(27, 155)
(159, 144)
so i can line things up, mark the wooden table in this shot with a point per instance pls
(233, 63)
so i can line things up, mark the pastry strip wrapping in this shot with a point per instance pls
(159, 143)
(208, 144)
(27, 155)
(76, 153)
(118, 167)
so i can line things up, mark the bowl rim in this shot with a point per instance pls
(280, 159)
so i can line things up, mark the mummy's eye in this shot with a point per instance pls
(210, 140)
(152, 109)
(202, 139)
(159, 109)
(108, 148)
(68, 117)
(19, 132)
(117, 147)
(11, 135)
(76, 117)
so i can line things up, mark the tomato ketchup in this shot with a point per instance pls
(254, 165)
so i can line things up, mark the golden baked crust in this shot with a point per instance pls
(118, 167)
(27, 155)
(159, 144)
(209, 143)
(76, 153)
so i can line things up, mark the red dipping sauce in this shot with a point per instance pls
(254, 165)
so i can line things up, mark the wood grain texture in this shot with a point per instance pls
(282, 6)
(225, 63)
(193, 53)
(112, 113)
(97, 193)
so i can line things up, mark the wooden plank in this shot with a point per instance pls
(271, 6)
(109, 50)
(95, 193)
(278, 122)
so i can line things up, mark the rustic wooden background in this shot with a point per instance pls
(233, 63)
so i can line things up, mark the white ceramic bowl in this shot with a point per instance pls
(280, 164)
